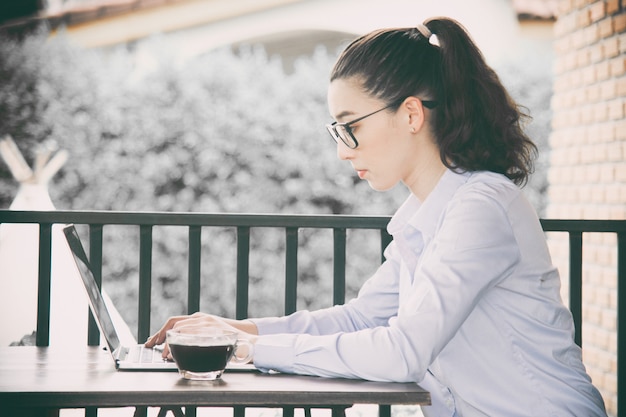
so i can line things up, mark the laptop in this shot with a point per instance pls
(135, 357)
(127, 358)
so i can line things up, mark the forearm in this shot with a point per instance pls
(376, 303)
(246, 326)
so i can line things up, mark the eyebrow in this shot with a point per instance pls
(344, 114)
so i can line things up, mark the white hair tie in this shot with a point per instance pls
(432, 38)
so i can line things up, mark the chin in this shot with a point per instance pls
(380, 186)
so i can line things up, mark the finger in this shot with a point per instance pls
(166, 352)
(190, 324)
(152, 341)
(159, 337)
(194, 324)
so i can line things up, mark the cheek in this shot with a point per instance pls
(394, 157)
(389, 146)
(384, 138)
(383, 146)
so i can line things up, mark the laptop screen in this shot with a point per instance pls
(96, 301)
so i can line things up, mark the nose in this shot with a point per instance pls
(343, 152)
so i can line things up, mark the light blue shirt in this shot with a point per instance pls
(467, 304)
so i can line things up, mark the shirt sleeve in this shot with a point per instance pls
(375, 304)
(472, 249)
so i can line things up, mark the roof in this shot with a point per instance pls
(170, 15)
(536, 9)
(74, 13)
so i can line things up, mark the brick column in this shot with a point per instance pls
(587, 175)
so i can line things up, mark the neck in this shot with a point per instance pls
(425, 178)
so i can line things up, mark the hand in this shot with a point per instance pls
(198, 322)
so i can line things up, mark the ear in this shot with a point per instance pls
(415, 110)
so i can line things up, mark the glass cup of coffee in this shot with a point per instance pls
(203, 355)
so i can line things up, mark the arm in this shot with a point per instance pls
(376, 303)
(473, 249)
(198, 322)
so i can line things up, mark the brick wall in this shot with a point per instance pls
(587, 175)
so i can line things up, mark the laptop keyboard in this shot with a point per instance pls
(141, 354)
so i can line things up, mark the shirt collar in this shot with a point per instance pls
(424, 216)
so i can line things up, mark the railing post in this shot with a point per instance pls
(339, 265)
(193, 284)
(385, 240)
(288, 411)
(291, 269)
(575, 283)
(44, 284)
(145, 281)
(384, 410)
(243, 272)
(621, 318)
(95, 261)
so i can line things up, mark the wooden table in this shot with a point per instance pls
(36, 378)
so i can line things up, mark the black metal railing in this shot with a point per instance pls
(243, 223)
(194, 222)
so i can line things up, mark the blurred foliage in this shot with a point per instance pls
(531, 87)
(225, 132)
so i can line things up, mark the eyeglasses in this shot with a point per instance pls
(343, 132)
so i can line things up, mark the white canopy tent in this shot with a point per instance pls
(19, 260)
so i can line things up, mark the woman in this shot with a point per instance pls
(467, 303)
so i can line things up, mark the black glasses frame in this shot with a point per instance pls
(334, 133)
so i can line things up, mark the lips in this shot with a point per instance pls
(361, 173)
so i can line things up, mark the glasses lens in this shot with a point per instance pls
(346, 136)
(331, 130)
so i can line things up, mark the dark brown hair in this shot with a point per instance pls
(476, 123)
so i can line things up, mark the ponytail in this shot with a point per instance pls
(476, 124)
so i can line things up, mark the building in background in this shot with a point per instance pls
(587, 175)
(503, 29)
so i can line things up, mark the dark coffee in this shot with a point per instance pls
(201, 358)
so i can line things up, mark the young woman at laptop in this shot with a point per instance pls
(467, 303)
